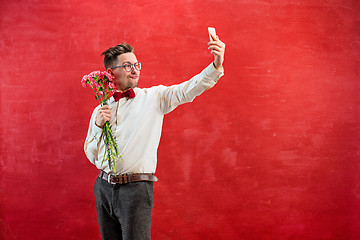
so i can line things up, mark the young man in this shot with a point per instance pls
(124, 202)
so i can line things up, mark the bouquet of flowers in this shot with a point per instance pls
(102, 83)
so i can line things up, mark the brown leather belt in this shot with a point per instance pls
(128, 177)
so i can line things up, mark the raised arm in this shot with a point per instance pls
(171, 97)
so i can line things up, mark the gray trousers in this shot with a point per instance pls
(124, 210)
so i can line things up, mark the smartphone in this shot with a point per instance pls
(211, 31)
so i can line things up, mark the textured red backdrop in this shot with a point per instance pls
(272, 152)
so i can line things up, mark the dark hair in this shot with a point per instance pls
(110, 55)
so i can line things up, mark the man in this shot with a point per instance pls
(124, 202)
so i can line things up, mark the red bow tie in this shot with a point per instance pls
(129, 94)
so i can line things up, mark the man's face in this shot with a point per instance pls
(125, 80)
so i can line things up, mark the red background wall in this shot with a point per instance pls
(272, 152)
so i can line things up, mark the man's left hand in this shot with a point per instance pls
(217, 48)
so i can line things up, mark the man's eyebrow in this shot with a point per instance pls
(126, 62)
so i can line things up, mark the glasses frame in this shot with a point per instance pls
(132, 66)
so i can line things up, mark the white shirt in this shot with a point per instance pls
(136, 123)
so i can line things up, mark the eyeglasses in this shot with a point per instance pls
(129, 67)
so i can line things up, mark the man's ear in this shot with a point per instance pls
(109, 70)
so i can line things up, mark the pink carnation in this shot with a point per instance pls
(102, 84)
(109, 76)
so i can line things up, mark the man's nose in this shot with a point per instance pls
(134, 70)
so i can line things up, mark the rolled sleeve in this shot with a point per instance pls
(212, 73)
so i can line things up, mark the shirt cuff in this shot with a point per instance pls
(97, 131)
(214, 73)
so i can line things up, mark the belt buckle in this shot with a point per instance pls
(109, 179)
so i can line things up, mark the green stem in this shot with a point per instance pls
(97, 96)
(111, 150)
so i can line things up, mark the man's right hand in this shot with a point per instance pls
(103, 115)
